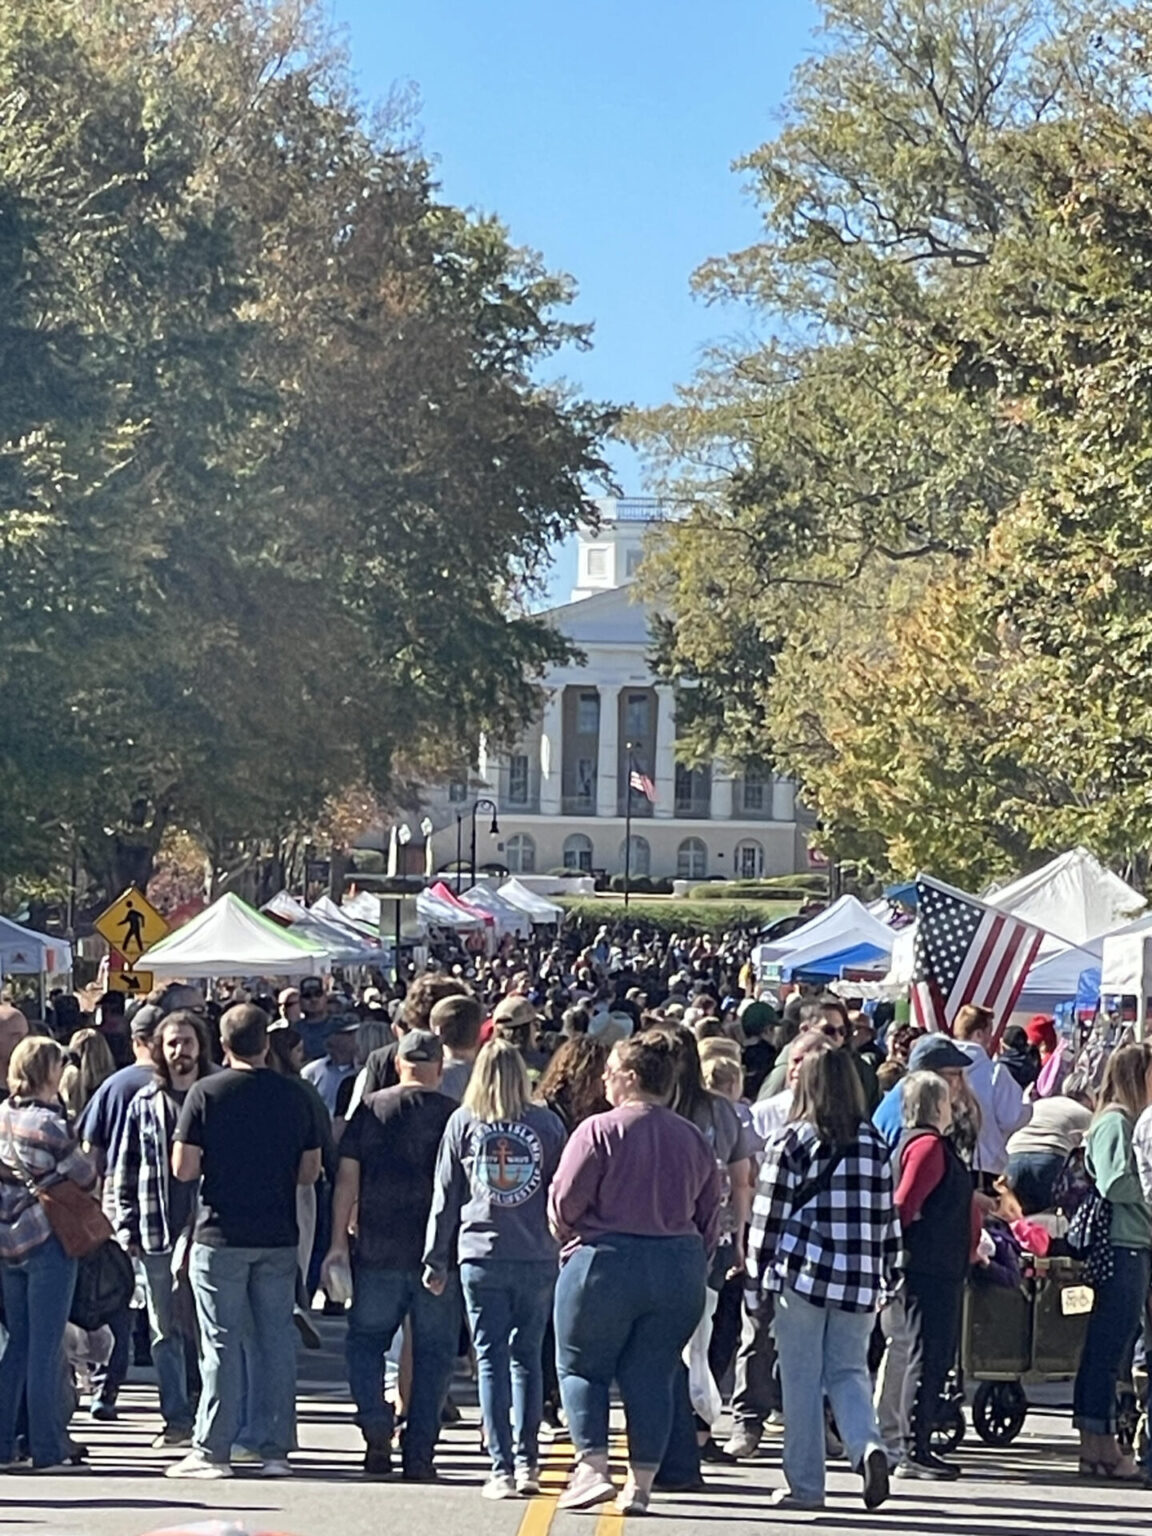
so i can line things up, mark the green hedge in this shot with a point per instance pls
(749, 890)
(642, 884)
(674, 916)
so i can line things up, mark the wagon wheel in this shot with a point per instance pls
(998, 1411)
(950, 1426)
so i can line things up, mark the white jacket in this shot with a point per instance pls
(1002, 1106)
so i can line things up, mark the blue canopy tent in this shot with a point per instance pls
(858, 957)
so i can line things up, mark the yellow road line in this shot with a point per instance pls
(537, 1518)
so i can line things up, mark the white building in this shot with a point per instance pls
(561, 792)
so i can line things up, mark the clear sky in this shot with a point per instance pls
(602, 134)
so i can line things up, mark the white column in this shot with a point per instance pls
(552, 753)
(722, 786)
(783, 800)
(608, 758)
(664, 769)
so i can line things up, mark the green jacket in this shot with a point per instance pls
(1113, 1168)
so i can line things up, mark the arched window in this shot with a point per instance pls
(749, 861)
(641, 860)
(578, 853)
(520, 854)
(691, 859)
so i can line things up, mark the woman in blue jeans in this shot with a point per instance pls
(824, 1243)
(37, 1150)
(636, 1203)
(490, 1213)
(1120, 1300)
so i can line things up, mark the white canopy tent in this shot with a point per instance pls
(537, 907)
(845, 923)
(442, 914)
(1074, 897)
(230, 938)
(343, 944)
(509, 917)
(25, 952)
(1126, 967)
(1055, 977)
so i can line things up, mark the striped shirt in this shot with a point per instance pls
(35, 1143)
(840, 1247)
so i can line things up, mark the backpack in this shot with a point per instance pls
(1089, 1237)
(105, 1281)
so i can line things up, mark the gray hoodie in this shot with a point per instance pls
(491, 1192)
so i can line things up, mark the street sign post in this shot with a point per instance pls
(131, 925)
(134, 983)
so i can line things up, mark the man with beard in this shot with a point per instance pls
(153, 1211)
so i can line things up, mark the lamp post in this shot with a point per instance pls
(459, 847)
(493, 831)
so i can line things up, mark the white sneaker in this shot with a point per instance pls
(202, 1468)
(276, 1466)
(527, 1482)
(499, 1486)
(586, 1487)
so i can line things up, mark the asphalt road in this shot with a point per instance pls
(1027, 1489)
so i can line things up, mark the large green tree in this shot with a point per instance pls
(917, 480)
(277, 473)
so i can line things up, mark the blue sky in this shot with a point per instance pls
(602, 134)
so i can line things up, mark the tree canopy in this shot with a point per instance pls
(278, 473)
(930, 482)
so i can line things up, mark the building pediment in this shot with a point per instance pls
(605, 618)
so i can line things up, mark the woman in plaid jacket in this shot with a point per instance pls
(825, 1242)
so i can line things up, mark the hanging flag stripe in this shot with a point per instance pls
(966, 952)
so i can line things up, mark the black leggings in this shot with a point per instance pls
(933, 1307)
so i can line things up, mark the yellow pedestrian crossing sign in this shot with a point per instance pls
(131, 925)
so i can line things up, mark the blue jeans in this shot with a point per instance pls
(381, 1300)
(822, 1351)
(244, 1299)
(508, 1303)
(168, 1358)
(625, 1308)
(37, 1299)
(1032, 1176)
(1112, 1328)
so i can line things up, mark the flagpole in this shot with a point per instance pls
(628, 828)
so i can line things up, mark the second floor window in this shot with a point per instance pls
(458, 791)
(753, 790)
(588, 714)
(518, 778)
(636, 717)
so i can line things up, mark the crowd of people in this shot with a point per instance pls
(605, 1161)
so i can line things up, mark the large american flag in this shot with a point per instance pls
(965, 952)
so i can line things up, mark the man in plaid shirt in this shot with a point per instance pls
(152, 1211)
(825, 1241)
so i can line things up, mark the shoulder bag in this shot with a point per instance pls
(74, 1214)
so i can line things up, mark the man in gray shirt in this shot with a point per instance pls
(457, 1021)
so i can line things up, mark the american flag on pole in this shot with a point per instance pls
(966, 952)
(642, 784)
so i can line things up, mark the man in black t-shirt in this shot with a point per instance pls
(250, 1136)
(387, 1166)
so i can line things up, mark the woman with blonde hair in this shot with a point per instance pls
(90, 1064)
(490, 1213)
(37, 1150)
(1121, 1294)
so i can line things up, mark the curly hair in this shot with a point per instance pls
(573, 1083)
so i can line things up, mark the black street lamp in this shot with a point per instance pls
(493, 830)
